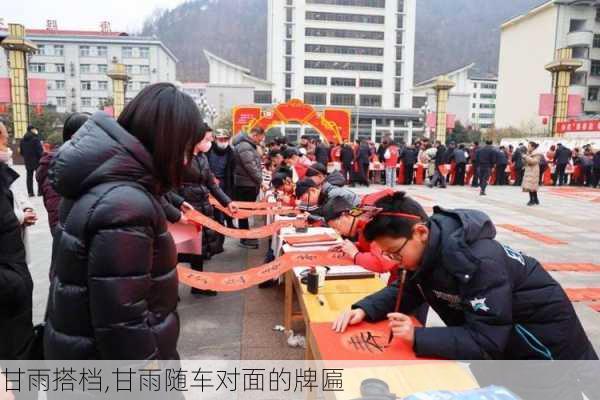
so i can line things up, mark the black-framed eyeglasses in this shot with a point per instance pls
(396, 255)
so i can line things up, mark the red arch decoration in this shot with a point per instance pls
(332, 124)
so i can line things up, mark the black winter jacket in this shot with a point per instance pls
(114, 292)
(409, 155)
(441, 157)
(347, 155)
(227, 181)
(563, 155)
(31, 150)
(501, 158)
(248, 169)
(16, 286)
(497, 303)
(322, 154)
(486, 156)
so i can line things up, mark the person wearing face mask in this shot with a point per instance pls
(198, 183)
(222, 163)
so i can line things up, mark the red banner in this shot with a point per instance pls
(256, 233)
(243, 116)
(231, 282)
(546, 106)
(575, 106)
(578, 126)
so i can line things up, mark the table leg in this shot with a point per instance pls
(288, 301)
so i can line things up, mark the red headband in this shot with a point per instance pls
(401, 215)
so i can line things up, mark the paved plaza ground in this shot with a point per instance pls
(564, 230)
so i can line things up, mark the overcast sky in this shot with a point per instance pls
(124, 15)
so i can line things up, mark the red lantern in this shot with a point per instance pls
(545, 120)
(39, 109)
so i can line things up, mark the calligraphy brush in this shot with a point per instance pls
(398, 300)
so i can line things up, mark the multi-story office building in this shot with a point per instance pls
(472, 100)
(75, 65)
(528, 44)
(357, 54)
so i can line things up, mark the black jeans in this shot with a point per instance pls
(347, 172)
(364, 173)
(501, 174)
(484, 177)
(475, 175)
(561, 176)
(596, 177)
(460, 174)
(409, 173)
(242, 193)
(30, 191)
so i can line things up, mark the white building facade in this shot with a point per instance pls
(472, 100)
(75, 65)
(529, 42)
(355, 54)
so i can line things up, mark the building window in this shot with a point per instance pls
(127, 52)
(288, 47)
(60, 85)
(473, 116)
(61, 101)
(355, 3)
(102, 101)
(398, 69)
(60, 68)
(288, 95)
(262, 97)
(400, 21)
(595, 70)
(474, 95)
(475, 85)
(84, 68)
(289, 14)
(102, 85)
(486, 116)
(341, 17)
(289, 30)
(102, 51)
(577, 25)
(343, 82)
(399, 37)
(86, 85)
(145, 69)
(84, 51)
(143, 84)
(488, 106)
(144, 52)
(37, 67)
(332, 49)
(397, 100)
(488, 86)
(288, 80)
(581, 52)
(316, 99)
(597, 40)
(397, 85)
(371, 83)
(341, 65)
(338, 99)
(59, 50)
(129, 69)
(288, 63)
(86, 102)
(42, 50)
(345, 33)
(488, 95)
(370, 100)
(399, 53)
(102, 68)
(400, 6)
(593, 93)
(315, 80)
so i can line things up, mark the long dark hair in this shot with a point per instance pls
(169, 124)
(72, 124)
(395, 226)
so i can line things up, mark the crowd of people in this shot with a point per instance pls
(113, 185)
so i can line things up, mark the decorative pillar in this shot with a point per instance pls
(442, 89)
(118, 75)
(17, 46)
(561, 69)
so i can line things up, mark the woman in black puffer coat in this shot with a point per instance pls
(198, 183)
(115, 290)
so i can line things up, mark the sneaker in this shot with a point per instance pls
(249, 244)
(200, 292)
